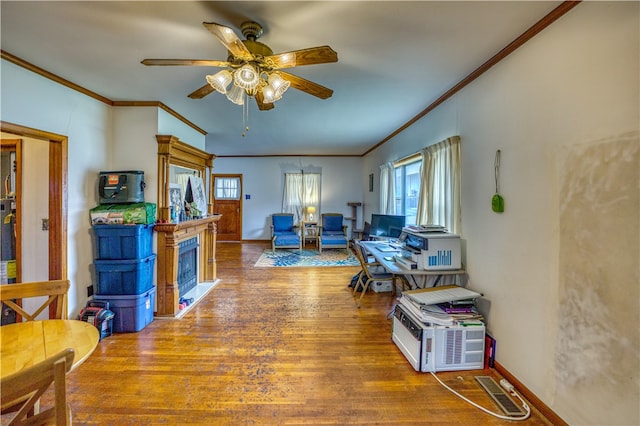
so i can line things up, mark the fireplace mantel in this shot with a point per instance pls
(170, 235)
(174, 153)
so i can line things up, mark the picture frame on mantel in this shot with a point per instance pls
(175, 195)
(198, 193)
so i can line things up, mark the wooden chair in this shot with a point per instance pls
(332, 233)
(371, 271)
(22, 391)
(284, 234)
(54, 291)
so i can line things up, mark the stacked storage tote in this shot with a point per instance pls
(124, 262)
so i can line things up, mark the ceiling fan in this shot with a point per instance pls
(252, 69)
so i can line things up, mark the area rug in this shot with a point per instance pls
(292, 258)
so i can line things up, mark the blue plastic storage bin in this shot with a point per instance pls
(124, 276)
(131, 312)
(119, 242)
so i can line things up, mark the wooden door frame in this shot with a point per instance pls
(58, 189)
(213, 194)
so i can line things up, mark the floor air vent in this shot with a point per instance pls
(499, 396)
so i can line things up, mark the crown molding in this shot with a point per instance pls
(56, 78)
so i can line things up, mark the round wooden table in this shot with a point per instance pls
(27, 343)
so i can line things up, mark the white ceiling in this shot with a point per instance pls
(394, 59)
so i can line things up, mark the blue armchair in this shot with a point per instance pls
(331, 232)
(284, 234)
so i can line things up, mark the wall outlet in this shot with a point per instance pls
(90, 290)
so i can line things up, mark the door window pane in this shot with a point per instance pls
(227, 188)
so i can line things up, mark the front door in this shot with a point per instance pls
(227, 200)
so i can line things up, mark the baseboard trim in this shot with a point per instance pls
(547, 412)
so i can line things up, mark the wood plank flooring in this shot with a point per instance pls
(270, 346)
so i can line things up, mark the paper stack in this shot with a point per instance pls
(445, 305)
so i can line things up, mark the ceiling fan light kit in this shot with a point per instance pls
(236, 95)
(220, 81)
(253, 68)
(248, 78)
(278, 84)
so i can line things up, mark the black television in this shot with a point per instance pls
(386, 225)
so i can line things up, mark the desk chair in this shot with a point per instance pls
(331, 232)
(21, 391)
(371, 271)
(284, 234)
(366, 231)
(55, 291)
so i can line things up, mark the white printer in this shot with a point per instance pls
(432, 250)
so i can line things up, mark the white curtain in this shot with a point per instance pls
(301, 190)
(387, 189)
(183, 180)
(439, 200)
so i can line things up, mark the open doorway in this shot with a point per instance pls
(57, 198)
(10, 210)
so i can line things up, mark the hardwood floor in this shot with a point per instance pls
(270, 346)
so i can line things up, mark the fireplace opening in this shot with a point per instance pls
(187, 265)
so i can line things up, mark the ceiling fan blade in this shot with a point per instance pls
(202, 92)
(296, 58)
(260, 101)
(192, 62)
(230, 40)
(307, 86)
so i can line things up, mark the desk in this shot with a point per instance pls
(373, 247)
(27, 343)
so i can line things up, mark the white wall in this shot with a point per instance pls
(135, 146)
(100, 138)
(573, 86)
(35, 207)
(169, 125)
(263, 180)
(33, 101)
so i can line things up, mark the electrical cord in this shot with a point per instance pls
(508, 386)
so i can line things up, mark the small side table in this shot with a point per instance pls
(310, 232)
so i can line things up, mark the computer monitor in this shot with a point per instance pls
(385, 225)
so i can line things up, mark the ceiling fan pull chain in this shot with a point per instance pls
(245, 115)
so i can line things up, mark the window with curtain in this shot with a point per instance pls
(302, 195)
(387, 189)
(439, 199)
(407, 188)
(425, 187)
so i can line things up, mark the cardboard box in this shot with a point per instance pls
(381, 286)
(120, 214)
